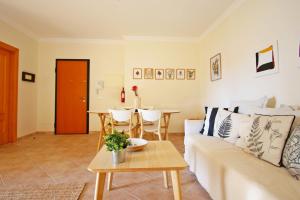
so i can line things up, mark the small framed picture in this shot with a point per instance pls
(180, 74)
(215, 67)
(190, 74)
(137, 73)
(159, 74)
(169, 74)
(26, 76)
(148, 73)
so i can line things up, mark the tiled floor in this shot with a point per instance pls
(45, 158)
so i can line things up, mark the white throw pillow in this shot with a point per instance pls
(227, 125)
(210, 118)
(267, 137)
(244, 129)
(279, 111)
(209, 121)
(246, 106)
(290, 107)
(291, 154)
(246, 125)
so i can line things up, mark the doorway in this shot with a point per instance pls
(9, 58)
(72, 96)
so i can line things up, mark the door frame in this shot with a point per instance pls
(13, 91)
(87, 87)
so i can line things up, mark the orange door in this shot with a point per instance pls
(9, 57)
(4, 88)
(72, 96)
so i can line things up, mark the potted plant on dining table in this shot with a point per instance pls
(117, 143)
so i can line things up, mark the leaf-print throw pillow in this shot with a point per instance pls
(244, 130)
(210, 118)
(227, 125)
(267, 137)
(291, 154)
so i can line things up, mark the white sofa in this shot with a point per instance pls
(228, 173)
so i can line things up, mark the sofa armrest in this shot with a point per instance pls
(192, 126)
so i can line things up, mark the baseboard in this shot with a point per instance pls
(177, 133)
(91, 132)
(52, 132)
(27, 135)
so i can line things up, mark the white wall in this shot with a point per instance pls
(254, 24)
(106, 63)
(28, 61)
(165, 94)
(113, 63)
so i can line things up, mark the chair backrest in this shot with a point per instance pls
(150, 115)
(121, 115)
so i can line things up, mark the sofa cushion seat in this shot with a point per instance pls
(211, 144)
(227, 172)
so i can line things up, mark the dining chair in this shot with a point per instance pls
(121, 120)
(153, 117)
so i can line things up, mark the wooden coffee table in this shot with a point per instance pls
(157, 156)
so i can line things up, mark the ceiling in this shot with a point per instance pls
(112, 19)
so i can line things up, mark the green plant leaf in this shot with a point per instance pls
(116, 141)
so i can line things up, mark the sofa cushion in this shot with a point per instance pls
(209, 120)
(227, 172)
(267, 137)
(291, 154)
(227, 125)
(247, 105)
(279, 111)
(290, 107)
(210, 144)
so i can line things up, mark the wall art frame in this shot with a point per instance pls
(159, 74)
(180, 74)
(148, 73)
(267, 59)
(137, 73)
(169, 74)
(216, 67)
(190, 74)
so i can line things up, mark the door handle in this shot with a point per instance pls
(82, 99)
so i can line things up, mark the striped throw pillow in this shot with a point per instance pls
(210, 118)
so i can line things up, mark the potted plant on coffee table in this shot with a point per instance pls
(117, 143)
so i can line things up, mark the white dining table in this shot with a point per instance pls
(166, 114)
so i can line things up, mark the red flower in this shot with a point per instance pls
(134, 88)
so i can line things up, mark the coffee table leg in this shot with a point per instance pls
(165, 174)
(176, 184)
(99, 187)
(109, 180)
